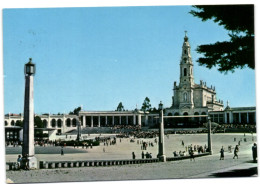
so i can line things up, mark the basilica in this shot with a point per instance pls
(190, 98)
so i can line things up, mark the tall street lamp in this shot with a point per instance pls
(28, 125)
(161, 153)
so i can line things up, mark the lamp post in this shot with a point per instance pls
(28, 125)
(209, 137)
(161, 153)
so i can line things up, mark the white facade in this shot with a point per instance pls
(190, 98)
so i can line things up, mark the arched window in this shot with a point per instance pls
(45, 123)
(185, 71)
(59, 123)
(68, 123)
(185, 51)
(53, 122)
(6, 123)
(12, 122)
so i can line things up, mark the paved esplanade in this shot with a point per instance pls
(202, 167)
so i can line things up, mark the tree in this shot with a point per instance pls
(120, 107)
(75, 111)
(146, 105)
(239, 51)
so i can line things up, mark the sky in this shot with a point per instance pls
(98, 57)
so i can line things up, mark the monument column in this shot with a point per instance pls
(28, 125)
(106, 120)
(161, 154)
(209, 137)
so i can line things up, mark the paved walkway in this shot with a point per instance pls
(209, 166)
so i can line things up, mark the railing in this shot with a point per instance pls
(97, 163)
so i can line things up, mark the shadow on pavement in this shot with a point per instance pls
(237, 173)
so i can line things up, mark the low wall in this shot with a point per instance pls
(96, 163)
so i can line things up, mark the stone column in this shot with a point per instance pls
(139, 119)
(239, 117)
(106, 120)
(247, 117)
(91, 122)
(209, 137)
(231, 117)
(225, 117)
(98, 121)
(28, 125)
(84, 121)
(63, 123)
(161, 154)
(119, 120)
(49, 121)
(134, 119)
(127, 120)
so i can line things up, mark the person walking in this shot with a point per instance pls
(133, 155)
(254, 151)
(235, 152)
(19, 160)
(192, 155)
(221, 153)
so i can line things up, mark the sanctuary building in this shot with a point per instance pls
(188, 99)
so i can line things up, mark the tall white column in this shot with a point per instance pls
(139, 120)
(134, 119)
(119, 120)
(28, 125)
(106, 120)
(247, 117)
(98, 121)
(63, 124)
(231, 117)
(225, 117)
(91, 121)
(127, 120)
(239, 117)
(49, 121)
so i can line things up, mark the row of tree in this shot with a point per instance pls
(146, 106)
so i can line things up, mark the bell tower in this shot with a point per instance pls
(186, 65)
(186, 76)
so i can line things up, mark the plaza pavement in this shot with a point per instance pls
(208, 166)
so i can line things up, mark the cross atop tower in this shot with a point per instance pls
(185, 33)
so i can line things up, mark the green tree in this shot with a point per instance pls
(120, 107)
(239, 51)
(38, 122)
(146, 105)
(75, 111)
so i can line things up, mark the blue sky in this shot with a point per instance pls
(98, 57)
